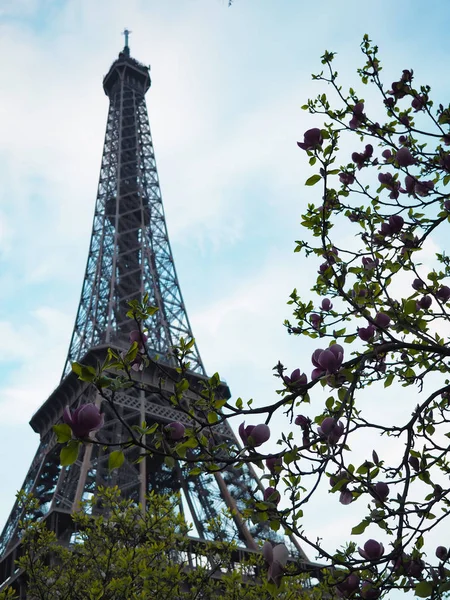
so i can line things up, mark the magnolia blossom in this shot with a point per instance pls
(326, 304)
(366, 333)
(272, 495)
(349, 585)
(372, 550)
(175, 430)
(254, 435)
(274, 463)
(296, 378)
(382, 320)
(443, 294)
(138, 337)
(331, 430)
(84, 420)
(358, 116)
(381, 491)
(327, 361)
(361, 158)
(404, 157)
(312, 139)
(276, 558)
(369, 591)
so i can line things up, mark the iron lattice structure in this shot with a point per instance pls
(130, 252)
(129, 256)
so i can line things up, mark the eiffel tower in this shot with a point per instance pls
(129, 256)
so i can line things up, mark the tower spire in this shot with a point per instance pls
(126, 49)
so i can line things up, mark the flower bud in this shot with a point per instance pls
(302, 421)
(139, 337)
(372, 550)
(381, 491)
(272, 495)
(396, 223)
(175, 430)
(443, 294)
(382, 320)
(84, 420)
(366, 333)
(404, 157)
(274, 463)
(369, 591)
(254, 435)
(425, 302)
(326, 304)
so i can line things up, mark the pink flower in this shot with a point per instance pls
(84, 420)
(175, 430)
(361, 158)
(254, 435)
(372, 550)
(358, 116)
(425, 302)
(404, 157)
(366, 333)
(276, 558)
(345, 497)
(331, 359)
(419, 102)
(396, 223)
(331, 430)
(326, 304)
(347, 178)
(443, 294)
(274, 463)
(349, 585)
(369, 591)
(381, 491)
(382, 320)
(312, 139)
(296, 379)
(138, 337)
(272, 495)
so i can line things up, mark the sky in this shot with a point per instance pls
(224, 109)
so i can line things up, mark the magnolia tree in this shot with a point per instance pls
(380, 318)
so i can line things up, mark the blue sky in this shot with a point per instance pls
(224, 107)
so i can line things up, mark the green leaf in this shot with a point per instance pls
(313, 179)
(63, 433)
(115, 459)
(424, 589)
(410, 307)
(358, 529)
(389, 379)
(170, 462)
(85, 373)
(212, 418)
(69, 453)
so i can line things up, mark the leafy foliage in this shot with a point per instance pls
(126, 552)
